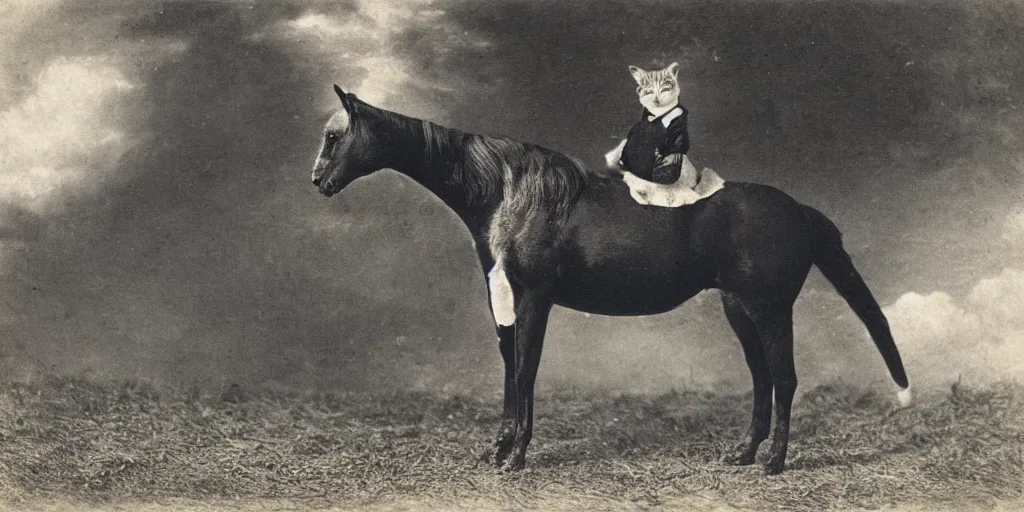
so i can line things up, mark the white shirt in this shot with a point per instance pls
(668, 117)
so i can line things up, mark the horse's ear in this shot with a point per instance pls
(345, 100)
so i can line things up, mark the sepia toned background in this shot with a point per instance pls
(157, 222)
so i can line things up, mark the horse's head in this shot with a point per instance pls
(355, 143)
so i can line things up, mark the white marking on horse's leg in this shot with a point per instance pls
(502, 301)
(906, 397)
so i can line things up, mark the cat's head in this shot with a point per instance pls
(658, 89)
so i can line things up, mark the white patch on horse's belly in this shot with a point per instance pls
(502, 301)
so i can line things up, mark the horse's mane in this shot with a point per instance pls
(489, 169)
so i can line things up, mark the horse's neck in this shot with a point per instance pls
(443, 170)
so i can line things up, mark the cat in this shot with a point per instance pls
(652, 159)
(655, 146)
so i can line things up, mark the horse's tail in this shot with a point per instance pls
(835, 264)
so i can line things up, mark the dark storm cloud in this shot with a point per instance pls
(206, 254)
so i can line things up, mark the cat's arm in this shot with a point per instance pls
(668, 168)
(613, 158)
(677, 136)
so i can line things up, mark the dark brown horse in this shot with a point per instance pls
(548, 231)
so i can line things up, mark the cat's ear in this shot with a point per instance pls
(638, 74)
(674, 69)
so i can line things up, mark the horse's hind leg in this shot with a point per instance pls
(774, 323)
(760, 424)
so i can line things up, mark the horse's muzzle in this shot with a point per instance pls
(323, 186)
(327, 188)
(323, 182)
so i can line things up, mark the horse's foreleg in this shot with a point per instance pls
(775, 325)
(760, 423)
(531, 322)
(501, 299)
(507, 427)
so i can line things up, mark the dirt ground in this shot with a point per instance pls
(73, 444)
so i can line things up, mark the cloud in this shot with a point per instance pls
(61, 139)
(386, 53)
(982, 338)
(1013, 230)
(1001, 308)
(360, 40)
(16, 16)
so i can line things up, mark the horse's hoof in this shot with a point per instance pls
(502, 446)
(500, 451)
(773, 467)
(499, 455)
(739, 457)
(493, 455)
(485, 456)
(514, 464)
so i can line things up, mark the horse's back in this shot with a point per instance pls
(734, 239)
(618, 257)
(606, 215)
(751, 204)
(756, 235)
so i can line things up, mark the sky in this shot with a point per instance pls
(157, 222)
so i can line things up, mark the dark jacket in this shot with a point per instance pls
(650, 139)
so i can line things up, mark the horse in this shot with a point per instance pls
(548, 231)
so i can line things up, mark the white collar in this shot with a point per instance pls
(667, 118)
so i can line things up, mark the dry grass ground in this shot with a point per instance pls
(84, 444)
